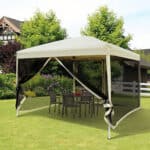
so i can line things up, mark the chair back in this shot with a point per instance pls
(52, 97)
(68, 100)
(86, 96)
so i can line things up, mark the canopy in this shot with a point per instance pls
(79, 49)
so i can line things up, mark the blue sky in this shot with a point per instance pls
(73, 14)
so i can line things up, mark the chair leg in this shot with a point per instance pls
(49, 108)
(55, 108)
(97, 109)
(92, 109)
(74, 109)
(89, 108)
(85, 110)
(66, 111)
(58, 108)
(62, 111)
(80, 111)
(72, 112)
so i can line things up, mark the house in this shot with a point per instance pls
(145, 65)
(9, 28)
(146, 51)
(132, 70)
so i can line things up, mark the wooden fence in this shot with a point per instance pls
(131, 88)
(145, 89)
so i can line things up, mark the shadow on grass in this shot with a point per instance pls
(136, 123)
(94, 121)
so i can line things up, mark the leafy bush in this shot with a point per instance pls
(7, 94)
(66, 84)
(37, 81)
(7, 56)
(1, 42)
(40, 91)
(29, 93)
(7, 86)
(40, 83)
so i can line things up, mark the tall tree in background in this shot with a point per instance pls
(106, 26)
(41, 28)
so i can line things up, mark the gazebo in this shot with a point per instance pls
(32, 60)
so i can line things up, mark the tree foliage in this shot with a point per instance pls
(41, 28)
(105, 25)
(7, 56)
(144, 56)
(1, 42)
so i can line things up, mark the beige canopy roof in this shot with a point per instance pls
(78, 47)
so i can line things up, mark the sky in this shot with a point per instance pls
(73, 15)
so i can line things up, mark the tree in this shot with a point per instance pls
(144, 56)
(104, 25)
(7, 56)
(1, 42)
(41, 28)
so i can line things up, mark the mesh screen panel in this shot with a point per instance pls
(91, 73)
(125, 87)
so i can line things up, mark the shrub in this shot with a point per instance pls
(29, 93)
(40, 91)
(7, 56)
(39, 84)
(37, 81)
(65, 84)
(7, 86)
(1, 42)
(7, 94)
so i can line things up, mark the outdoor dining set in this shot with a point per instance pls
(77, 103)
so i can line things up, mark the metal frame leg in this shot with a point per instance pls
(109, 133)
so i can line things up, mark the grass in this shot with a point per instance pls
(41, 131)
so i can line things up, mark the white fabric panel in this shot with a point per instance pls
(81, 46)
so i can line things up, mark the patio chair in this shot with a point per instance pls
(69, 102)
(87, 99)
(54, 100)
(98, 103)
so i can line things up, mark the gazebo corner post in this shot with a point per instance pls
(109, 133)
(108, 71)
(17, 113)
(74, 80)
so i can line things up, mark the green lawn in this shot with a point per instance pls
(41, 131)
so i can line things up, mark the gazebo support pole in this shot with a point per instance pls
(108, 67)
(104, 77)
(109, 133)
(74, 81)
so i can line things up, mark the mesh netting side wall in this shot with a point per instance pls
(125, 87)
